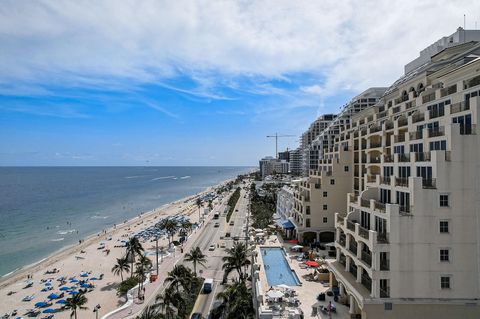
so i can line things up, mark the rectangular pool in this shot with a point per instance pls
(276, 267)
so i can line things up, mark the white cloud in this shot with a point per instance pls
(347, 45)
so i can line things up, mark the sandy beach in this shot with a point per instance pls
(87, 257)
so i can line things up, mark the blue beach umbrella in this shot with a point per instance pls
(49, 310)
(61, 301)
(48, 284)
(74, 280)
(41, 304)
(84, 286)
(52, 296)
(84, 274)
(65, 288)
(73, 292)
(94, 278)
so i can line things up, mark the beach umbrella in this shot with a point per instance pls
(65, 288)
(84, 274)
(52, 296)
(297, 247)
(61, 301)
(74, 280)
(94, 278)
(73, 292)
(48, 283)
(84, 286)
(49, 310)
(41, 304)
(19, 318)
(312, 263)
(275, 294)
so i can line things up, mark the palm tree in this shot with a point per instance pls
(237, 257)
(185, 227)
(170, 227)
(134, 247)
(236, 302)
(150, 312)
(199, 203)
(180, 276)
(210, 205)
(196, 256)
(142, 266)
(76, 302)
(168, 300)
(120, 267)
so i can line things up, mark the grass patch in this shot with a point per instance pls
(232, 202)
(126, 285)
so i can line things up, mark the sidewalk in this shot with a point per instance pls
(154, 288)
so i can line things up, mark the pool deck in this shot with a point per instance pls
(306, 292)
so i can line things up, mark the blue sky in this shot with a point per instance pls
(193, 82)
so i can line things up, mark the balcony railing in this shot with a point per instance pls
(363, 232)
(340, 219)
(380, 206)
(350, 225)
(459, 107)
(422, 157)
(404, 209)
(388, 158)
(385, 180)
(365, 203)
(372, 178)
(430, 183)
(353, 270)
(375, 129)
(385, 292)
(436, 131)
(342, 241)
(401, 181)
(367, 258)
(353, 248)
(343, 260)
(435, 113)
(367, 282)
(374, 159)
(388, 125)
(416, 135)
(402, 122)
(399, 138)
(404, 157)
(375, 144)
(353, 198)
(418, 117)
(382, 238)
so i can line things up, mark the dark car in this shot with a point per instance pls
(196, 315)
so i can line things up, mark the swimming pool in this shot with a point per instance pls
(276, 267)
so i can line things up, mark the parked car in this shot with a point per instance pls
(211, 248)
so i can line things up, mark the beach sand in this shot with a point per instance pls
(72, 261)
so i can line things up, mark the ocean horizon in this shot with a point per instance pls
(46, 208)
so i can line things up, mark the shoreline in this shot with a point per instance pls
(21, 273)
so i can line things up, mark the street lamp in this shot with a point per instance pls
(96, 310)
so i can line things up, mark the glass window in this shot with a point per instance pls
(445, 282)
(307, 222)
(325, 219)
(443, 226)
(345, 168)
(332, 182)
(325, 207)
(444, 255)
(325, 194)
(444, 200)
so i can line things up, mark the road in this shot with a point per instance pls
(213, 236)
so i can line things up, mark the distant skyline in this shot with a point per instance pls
(194, 82)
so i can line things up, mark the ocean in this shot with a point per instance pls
(43, 209)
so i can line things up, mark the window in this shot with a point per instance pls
(438, 146)
(399, 149)
(345, 168)
(465, 123)
(307, 222)
(325, 219)
(444, 255)
(443, 226)
(416, 148)
(325, 207)
(445, 282)
(307, 210)
(325, 194)
(332, 182)
(444, 200)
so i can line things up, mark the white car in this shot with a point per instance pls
(211, 248)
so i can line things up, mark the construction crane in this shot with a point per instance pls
(276, 141)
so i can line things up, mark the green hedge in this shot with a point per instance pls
(232, 202)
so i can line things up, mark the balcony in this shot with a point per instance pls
(380, 206)
(388, 158)
(423, 157)
(401, 181)
(375, 144)
(415, 135)
(404, 157)
(459, 107)
(402, 122)
(404, 209)
(385, 292)
(430, 183)
(437, 131)
(435, 113)
(367, 258)
(388, 125)
(342, 241)
(353, 270)
(375, 160)
(350, 225)
(343, 260)
(382, 238)
(353, 248)
(365, 203)
(385, 180)
(372, 178)
(375, 129)
(363, 232)
(399, 138)
(367, 282)
(353, 198)
(418, 117)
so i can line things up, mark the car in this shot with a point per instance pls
(211, 248)
(232, 223)
(196, 315)
(207, 285)
(235, 238)
(222, 244)
(216, 225)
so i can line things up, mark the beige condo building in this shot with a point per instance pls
(408, 236)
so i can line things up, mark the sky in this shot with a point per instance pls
(194, 82)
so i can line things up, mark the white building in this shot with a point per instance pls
(269, 166)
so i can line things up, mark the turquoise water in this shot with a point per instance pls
(277, 269)
(43, 209)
